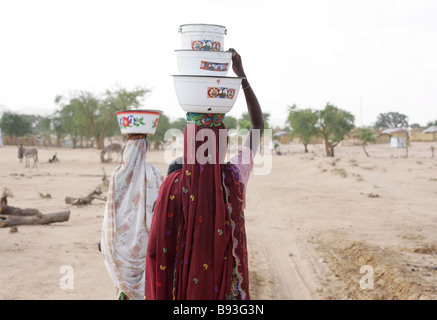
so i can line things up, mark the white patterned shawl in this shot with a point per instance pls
(133, 189)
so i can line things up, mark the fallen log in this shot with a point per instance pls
(13, 211)
(99, 197)
(15, 220)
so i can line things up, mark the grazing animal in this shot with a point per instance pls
(114, 147)
(27, 154)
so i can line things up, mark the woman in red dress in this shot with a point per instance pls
(197, 243)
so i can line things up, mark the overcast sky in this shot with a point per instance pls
(366, 57)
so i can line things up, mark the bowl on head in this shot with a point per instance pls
(206, 94)
(204, 63)
(202, 37)
(138, 121)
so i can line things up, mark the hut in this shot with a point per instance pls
(397, 137)
(431, 132)
(382, 138)
(427, 135)
(282, 136)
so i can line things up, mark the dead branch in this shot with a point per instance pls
(96, 194)
(38, 219)
(45, 196)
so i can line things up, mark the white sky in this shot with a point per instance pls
(366, 56)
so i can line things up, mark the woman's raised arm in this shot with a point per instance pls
(253, 107)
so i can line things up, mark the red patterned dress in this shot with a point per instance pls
(197, 244)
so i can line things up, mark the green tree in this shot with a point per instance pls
(334, 124)
(230, 122)
(266, 117)
(57, 126)
(391, 120)
(244, 124)
(81, 125)
(90, 114)
(69, 119)
(15, 125)
(303, 123)
(45, 129)
(114, 100)
(244, 121)
(179, 123)
(79, 110)
(416, 125)
(430, 124)
(34, 122)
(365, 135)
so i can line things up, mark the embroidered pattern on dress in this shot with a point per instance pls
(206, 119)
(238, 277)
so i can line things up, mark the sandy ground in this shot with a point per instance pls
(313, 223)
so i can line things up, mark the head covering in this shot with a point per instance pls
(197, 243)
(176, 164)
(133, 189)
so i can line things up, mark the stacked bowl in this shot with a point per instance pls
(138, 121)
(203, 85)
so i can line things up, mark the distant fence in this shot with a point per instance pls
(25, 141)
(53, 142)
(37, 142)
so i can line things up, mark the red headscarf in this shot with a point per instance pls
(197, 243)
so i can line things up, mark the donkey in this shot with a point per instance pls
(114, 147)
(28, 153)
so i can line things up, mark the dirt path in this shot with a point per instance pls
(281, 266)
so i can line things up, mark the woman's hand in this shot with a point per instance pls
(237, 65)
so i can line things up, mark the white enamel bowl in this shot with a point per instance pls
(138, 121)
(206, 94)
(205, 37)
(206, 63)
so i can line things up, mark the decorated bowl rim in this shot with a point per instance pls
(205, 76)
(202, 24)
(203, 52)
(158, 112)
